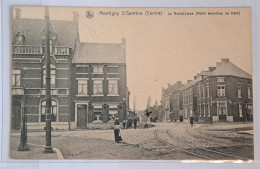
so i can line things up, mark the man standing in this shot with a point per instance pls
(135, 122)
(191, 120)
(117, 129)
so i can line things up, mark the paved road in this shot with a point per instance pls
(165, 141)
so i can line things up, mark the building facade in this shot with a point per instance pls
(28, 69)
(88, 80)
(99, 91)
(171, 102)
(225, 95)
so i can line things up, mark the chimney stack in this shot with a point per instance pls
(218, 64)
(225, 60)
(211, 69)
(75, 17)
(169, 85)
(17, 13)
(194, 77)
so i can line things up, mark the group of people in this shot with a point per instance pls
(126, 125)
(129, 123)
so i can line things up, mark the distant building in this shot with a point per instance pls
(171, 102)
(225, 94)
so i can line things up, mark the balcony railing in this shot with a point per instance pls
(17, 91)
(29, 49)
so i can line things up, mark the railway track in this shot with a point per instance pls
(201, 153)
(212, 140)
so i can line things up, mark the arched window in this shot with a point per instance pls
(53, 111)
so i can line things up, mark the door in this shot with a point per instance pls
(82, 115)
(222, 111)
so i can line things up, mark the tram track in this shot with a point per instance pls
(207, 150)
(163, 140)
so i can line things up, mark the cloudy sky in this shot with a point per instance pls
(164, 49)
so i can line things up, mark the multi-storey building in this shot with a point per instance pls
(88, 80)
(225, 95)
(171, 102)
(28, 69)
(99, 89)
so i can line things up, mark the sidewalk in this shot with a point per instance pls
(36, 152)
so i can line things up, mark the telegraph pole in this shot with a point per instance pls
(48, 147)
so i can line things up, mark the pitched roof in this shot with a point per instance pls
(100, 53)
(227, 68)
(32, 28)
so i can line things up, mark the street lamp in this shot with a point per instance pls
(48, 147)
(23, 138)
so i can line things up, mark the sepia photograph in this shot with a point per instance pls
(131, 84)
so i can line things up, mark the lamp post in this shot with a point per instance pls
(48, 147)
(23, 138)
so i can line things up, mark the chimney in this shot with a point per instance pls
(17, 13)
(169, 85)
(225, 60)
(123, 41)
(211, 69)
(218, 64)
(194, 77)
(75, 17)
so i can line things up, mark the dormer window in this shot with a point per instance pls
(20, 38)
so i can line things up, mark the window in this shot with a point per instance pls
(221, 91)
(200, 110)
(204, 110)
(82, 87)
(207, 91)
(203, 93)
(198, 93)
(240, 110)
(221, 79)
(53, 111)
(97, 69)
(53, 75)
(112, 69)
(249, 92)
(208, 109)
(112, 87)
(16, 78)
(239, 92)
(98, 87)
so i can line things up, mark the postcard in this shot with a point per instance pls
(131, 84)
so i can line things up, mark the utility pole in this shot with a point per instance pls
(48, 147)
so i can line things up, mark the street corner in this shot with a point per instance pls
(36, 152)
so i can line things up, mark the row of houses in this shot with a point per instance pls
(88, 80)
(223, 93)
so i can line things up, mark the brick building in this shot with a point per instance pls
(225, 95)
(88, 80)
(28, 69)
(99, 91)
(172, 102)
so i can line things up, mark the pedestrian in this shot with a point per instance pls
(135, 122)
(124, 124)
(117, 130)
(191, 121)
(130, 123)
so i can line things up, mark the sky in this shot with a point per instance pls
(164, 49)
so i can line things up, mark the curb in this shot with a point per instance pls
(59, 154)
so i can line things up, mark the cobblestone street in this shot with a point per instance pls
(165, 141)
